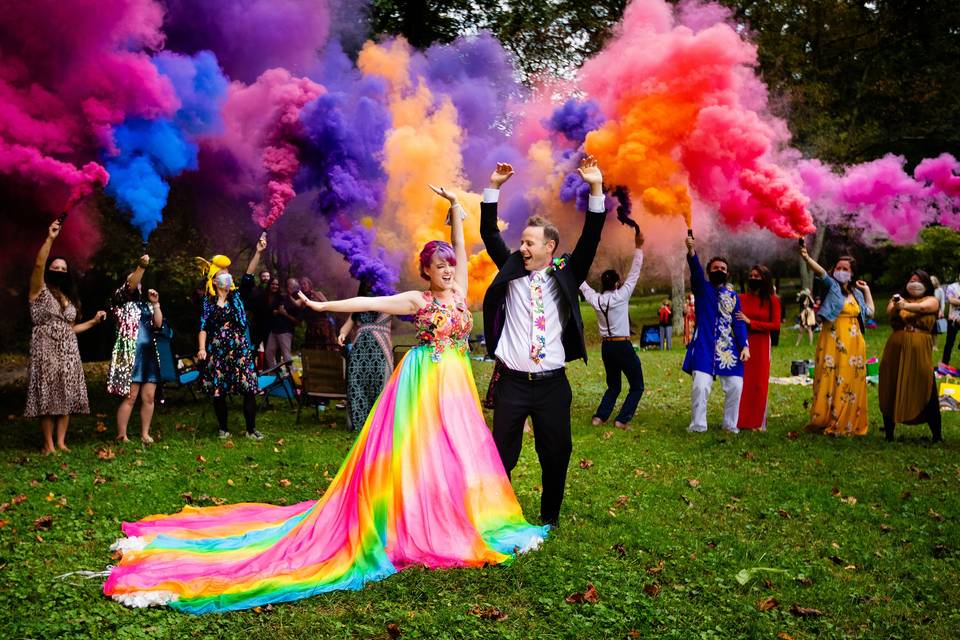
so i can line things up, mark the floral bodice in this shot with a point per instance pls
(441, 326)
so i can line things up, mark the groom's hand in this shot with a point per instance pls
(500, 175)
(590, 173)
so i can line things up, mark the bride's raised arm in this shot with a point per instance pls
(400, 304)
(455, 219)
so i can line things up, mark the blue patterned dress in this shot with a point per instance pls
(229, 368)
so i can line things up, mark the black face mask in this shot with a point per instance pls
(58, 280)
(717, 278)
(753, 284)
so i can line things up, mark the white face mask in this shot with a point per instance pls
(915, 289)
(843, 277)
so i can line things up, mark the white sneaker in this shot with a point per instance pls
(697, 429)
(732, 430)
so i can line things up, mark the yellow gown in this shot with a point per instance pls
(840, 379)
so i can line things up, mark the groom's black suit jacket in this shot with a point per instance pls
(510, 265)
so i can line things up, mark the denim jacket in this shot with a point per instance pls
(833, 301)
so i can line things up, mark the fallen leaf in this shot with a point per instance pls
(748, 455)
(218, 501)
(488, 613)
(228, 444)
(640, 473)
(765, 604)
(34, 483)
(791, 435)
(885, 528)
(836, 492)
(905, 495)
(187, 497)
(804, 581)
(620, 549)
(201, 459)
(652, 590)
(43, 523)
(284, 482)
(3, 523)
(106, 453)
(590, 595)
(621, 501)
(607, 435)
(394, 630)
(836, 560)
(280, 442)
(229, 482)
(804, 612)
(585, 463)
(783, 635)
(4, 506)
(18, 499)
(633, 633)
(767, 583)
(693, 482)
(933, 514)
(850, 500)
(101, 427)
(657, 568)
(850, 567)
(783, 513)
(920, 473)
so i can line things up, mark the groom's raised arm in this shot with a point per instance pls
(586, 249)
(489, 229)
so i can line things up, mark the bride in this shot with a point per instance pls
(422, 485)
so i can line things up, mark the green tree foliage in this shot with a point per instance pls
(937, 252)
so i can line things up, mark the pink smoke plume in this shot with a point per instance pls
(69, 72)
(262, 129)
(685, 110)
(943, 174)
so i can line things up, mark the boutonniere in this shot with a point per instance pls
(558, 264)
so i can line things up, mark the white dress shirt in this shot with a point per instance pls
(613, 306)
(513, 349)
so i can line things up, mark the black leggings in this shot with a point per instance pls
(249, 411)
(930, 415)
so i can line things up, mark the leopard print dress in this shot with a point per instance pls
(57, 386)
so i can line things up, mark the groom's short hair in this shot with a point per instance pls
(550, 231)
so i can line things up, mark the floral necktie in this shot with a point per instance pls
(538, 326)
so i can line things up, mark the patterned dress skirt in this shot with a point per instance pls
(369, 366)
(57, 386)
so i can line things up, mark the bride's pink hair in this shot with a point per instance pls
(435, 248)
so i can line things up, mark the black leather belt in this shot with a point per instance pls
(534, 375)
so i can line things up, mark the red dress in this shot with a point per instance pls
(764, 318)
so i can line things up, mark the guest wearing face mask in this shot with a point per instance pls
(761, 312)
(57, 387)
(840, 379)
(719, 347)
(908, 388)
(224, 342)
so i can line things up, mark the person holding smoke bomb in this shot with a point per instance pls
(56, 386)
(719, 346)
(840, 378)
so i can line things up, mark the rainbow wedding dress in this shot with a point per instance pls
(422, 485)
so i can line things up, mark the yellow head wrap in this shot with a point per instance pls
(211, 268)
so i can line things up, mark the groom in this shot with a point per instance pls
(532, 324)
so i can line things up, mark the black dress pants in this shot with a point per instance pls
(547, 403)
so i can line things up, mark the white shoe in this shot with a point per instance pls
(697, 429)
(732, 430)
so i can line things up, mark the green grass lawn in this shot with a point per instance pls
(659, 521)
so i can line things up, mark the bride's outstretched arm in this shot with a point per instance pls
(401, 304)
(456, 217)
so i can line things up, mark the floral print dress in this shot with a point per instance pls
(229, 368)
(840, 381)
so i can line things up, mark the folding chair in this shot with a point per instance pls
(324, 376)
(277, 380)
